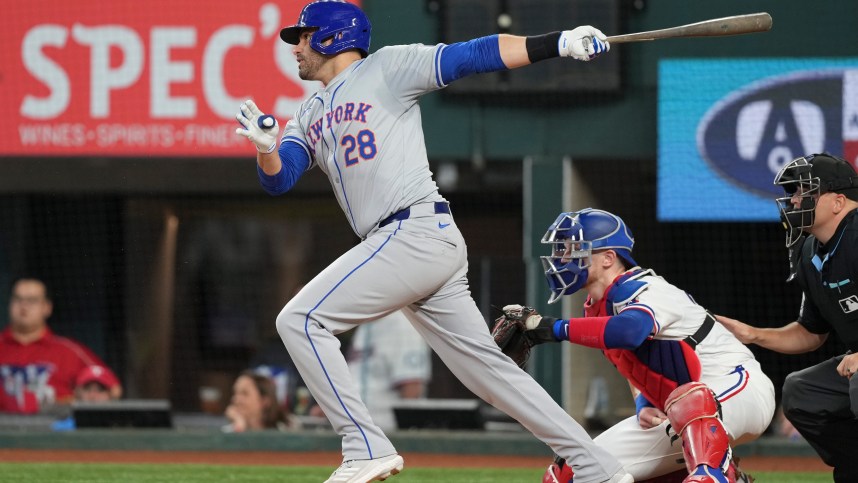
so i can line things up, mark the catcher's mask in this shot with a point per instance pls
(573, 237)
(804, 179)
(343, 22)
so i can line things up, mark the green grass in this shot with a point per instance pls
(195, 473)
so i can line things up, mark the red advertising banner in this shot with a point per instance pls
(129, 78)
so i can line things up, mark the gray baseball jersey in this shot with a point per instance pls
(366, 135)
(363, 129)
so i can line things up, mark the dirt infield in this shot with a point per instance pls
(751, 463)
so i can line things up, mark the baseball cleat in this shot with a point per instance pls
(364, 471)
(622, 477)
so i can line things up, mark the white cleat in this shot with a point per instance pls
(364, 471)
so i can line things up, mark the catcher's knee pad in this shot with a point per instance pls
(558, 472)
(694, 414)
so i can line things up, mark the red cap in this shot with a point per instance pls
(99, 374)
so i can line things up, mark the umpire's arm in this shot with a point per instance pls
(792, 338)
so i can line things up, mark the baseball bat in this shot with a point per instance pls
(735, 25)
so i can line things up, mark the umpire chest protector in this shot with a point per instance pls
(828, 275)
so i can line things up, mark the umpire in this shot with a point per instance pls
(820, 213)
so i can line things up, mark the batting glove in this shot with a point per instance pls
(261, 129)
(583, 43)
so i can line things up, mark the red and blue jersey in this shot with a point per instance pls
(644, 322)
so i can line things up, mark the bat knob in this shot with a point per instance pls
(266, 122)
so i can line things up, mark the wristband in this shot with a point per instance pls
(541, 47)
(642, 402)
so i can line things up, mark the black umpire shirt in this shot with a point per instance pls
(828, 276)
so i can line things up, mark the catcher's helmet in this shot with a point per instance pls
(573, 237)
(806, 178)
(344, 23)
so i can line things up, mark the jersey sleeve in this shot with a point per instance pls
(295, 133)
(674, 313)
(411, 70)
(295, 159)
(810, 319)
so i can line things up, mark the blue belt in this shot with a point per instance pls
(440, 207)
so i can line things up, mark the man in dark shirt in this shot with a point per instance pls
(820, 213)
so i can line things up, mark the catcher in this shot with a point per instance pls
(692, 379)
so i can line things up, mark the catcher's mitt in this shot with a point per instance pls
(508, 333)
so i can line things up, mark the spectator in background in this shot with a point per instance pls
(254, 405)
(37, 367)
(273, 360)
(97, 384)
(390, 361)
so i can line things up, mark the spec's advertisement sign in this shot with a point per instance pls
(726, 127)
(155, 78)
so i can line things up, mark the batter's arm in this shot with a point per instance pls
(504, 51)
(269, 163)
(792, 338)
(581, 43)
(513, 51)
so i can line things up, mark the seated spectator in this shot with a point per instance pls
(37, 367)
(254, 405)
(390, 362)
(97, 384)
(271, 359)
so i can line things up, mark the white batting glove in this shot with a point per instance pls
(261, 129)
(583, 43)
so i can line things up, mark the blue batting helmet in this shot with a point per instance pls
(573, 237)
(342, 22)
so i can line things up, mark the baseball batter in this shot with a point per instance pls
(685, 369)
(363, 130)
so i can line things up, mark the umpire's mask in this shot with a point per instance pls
(798, 183)
(804, 180)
